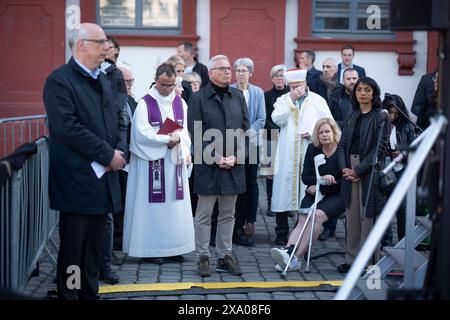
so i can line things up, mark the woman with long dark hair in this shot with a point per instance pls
(401, 132)
(357, 151)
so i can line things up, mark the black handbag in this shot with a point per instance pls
(387, 181)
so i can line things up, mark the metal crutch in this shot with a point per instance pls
(283, 274)
(318, 161)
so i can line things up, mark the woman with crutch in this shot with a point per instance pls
(325, 139)
(364, 141)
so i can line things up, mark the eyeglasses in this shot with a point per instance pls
(241, 71)
(222, 69)
(98, 41)
(129, 82)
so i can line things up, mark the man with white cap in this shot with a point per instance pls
(296, 113)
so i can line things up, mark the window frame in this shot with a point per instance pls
(352, 32)
(138, 28)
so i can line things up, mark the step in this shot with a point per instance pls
(374, 293)
(399, 255)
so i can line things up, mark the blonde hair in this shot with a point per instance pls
(175, 60)
(334, 128)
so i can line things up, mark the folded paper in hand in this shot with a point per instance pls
(169, 126)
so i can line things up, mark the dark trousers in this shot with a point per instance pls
(247, 202)
(81, 238)
(282, 228)
(194, 196)
(269, 188)
(401, 212)
(118, 217)
(331, 226)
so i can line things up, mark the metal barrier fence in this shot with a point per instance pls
(19, 130)
(26, 220)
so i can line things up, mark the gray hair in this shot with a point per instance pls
(77, 34)
(245, 62)
(333, 62)
(192, 76)
(276, 69)
(213, 60)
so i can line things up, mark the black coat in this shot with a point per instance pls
(312, 77)
(202, 71)
(424, 104)
(372, 126)
(270, 97)
(205, 107)
(85, 125)
(340, 105)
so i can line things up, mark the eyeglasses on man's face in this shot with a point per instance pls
(222, 69)
(129, 82)
(98, 41)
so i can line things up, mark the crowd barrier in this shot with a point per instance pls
(19, 130)
(26, 221)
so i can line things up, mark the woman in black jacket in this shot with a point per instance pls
(358, 151)
(401, 132)
(325, 140)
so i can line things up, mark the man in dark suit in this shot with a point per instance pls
(187, 52)
(130, 107)
(347, 55)
(424, 103)
(86, 128)
(306, 61)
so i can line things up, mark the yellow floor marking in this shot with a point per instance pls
(212, 285)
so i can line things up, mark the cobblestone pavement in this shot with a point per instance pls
(255, 262)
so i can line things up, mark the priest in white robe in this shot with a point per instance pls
(296, 113)
(158, 216)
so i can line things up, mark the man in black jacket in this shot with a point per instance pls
(218, 171)
(306, 61)
(424, 104)
(109, 68)
(340, 104)
(187, 52)
(86, 131)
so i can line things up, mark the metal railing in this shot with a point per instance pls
(405, 186)
(19, 130)
(26, 220)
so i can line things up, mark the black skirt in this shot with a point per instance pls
(331, 204)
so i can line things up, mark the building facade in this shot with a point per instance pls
(33, 34)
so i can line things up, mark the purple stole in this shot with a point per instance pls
(157, 191)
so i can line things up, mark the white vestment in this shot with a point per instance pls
(288, 189)
(154, 229)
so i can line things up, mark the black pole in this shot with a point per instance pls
(443, 214)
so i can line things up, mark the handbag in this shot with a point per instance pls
(387, 181)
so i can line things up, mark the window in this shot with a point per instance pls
(351, 18)
(140, 16)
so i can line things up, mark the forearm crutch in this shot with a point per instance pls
(318, 160)
(283, 274)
